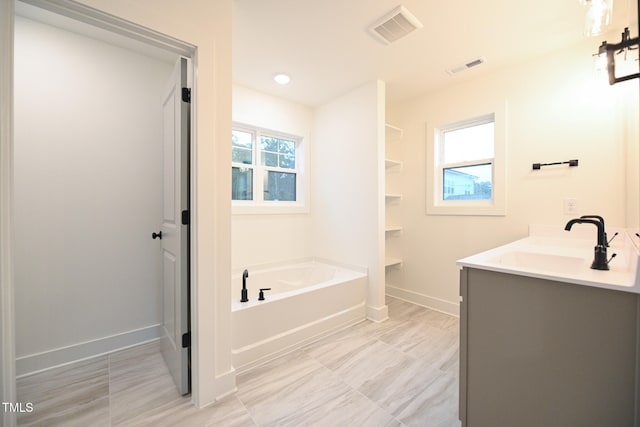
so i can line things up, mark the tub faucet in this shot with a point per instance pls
(261, 294)
(600, 261)
(244, 297)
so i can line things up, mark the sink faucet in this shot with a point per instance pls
(600, 261)
(599, 218)
(244, 297)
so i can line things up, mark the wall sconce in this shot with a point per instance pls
(627, 53)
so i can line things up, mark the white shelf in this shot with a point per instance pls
(392, 163)
(390, 262)
(392, 133)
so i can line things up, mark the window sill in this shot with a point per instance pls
(268, 209)
(466, 208)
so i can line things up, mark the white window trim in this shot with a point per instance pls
(258, 205)
(435, 205)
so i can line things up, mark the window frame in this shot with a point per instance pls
(259, 204)
(245, 165)
(436, 204)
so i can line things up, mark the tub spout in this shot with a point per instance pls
(244, 297)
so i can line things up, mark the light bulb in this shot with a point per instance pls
(600, 63)
(600, 70)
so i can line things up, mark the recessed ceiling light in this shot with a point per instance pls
(282, 78)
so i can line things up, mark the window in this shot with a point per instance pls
(265, 169)
(278, 156)
(466, 166)
(466, 159)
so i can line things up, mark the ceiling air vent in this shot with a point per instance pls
(395, 25)
(466, 66)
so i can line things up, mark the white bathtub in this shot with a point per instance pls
(307, 300)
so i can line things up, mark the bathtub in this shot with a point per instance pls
(308, 299)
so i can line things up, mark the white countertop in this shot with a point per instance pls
(551, 253)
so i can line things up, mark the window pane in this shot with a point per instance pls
(287, 161)
(241, 155)
(286, 147)
(241, 184)
(467, 182)
(278, 152)
(279, 186)
(268, 143)
(241, 139)
(468, 144)
(269, 159)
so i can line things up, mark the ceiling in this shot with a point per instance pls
(325, 47)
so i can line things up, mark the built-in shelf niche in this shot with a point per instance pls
(392, 262)
(389, 163)
(393, 135)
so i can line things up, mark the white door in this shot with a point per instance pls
(175, 341)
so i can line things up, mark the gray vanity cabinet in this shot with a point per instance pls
(537, 352)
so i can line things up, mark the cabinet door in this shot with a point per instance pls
(545, 353)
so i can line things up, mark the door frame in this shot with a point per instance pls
(120, 26)
(7, 318)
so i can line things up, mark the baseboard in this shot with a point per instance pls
(225, 385)
(256, 354)
(377, 314)
(33, 363)
(433, 303)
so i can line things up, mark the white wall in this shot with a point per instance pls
(556, 112)
(347, 185)
(631, 107)
(88, 195)
(267, 238)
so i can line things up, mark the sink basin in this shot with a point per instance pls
(549, 253)
(561, 243)
(540, 261)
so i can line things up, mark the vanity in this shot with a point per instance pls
(544, 339)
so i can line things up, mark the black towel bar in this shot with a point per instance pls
(571, 163)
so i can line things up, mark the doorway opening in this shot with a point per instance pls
(91, 308)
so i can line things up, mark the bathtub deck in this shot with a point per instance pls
(400, 372)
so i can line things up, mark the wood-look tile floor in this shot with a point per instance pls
(400, 372)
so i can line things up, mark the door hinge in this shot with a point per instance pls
(186, 94)
(186, 340)
(185, 217)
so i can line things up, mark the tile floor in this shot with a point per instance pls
(400, 372)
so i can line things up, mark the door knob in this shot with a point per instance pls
(157, 235)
